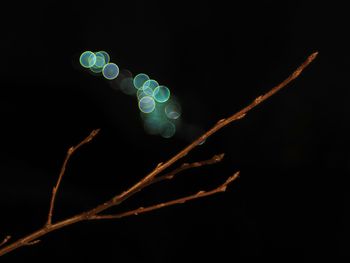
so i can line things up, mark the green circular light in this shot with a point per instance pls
(139, 80)
(173, 111)
(110, 71)
(105, 55)
(95, 69)
(149, 86)
(140, 94)
(168, 130)
(161, 94)
(148, 91)
(87, 59)
(147, 104)
(100, 60)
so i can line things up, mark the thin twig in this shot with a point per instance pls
(33, 242)
(224, 122)
(70, 152)
(141, 210)
(6, 239)
(185, 166)
(116, 200)
(49, 227)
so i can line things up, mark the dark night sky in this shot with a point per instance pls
(292, 199)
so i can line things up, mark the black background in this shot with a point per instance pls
(292, 199)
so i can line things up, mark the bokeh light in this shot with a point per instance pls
(140, 94)
(168, 130)
(110, 71)
(100, 60)
(159, 109)
(139, 80)
(147, 104)
(173, 110)
(105, 55)
(95, 69)
(148, 91)
(87, 59)
(153, 121)
(149, 86)
(161, 94)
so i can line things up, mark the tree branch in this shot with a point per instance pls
(70, 152)
(6, 239)
(186, 166)
(218, 126)
(148, 179)
(141, 210)
(116, 200)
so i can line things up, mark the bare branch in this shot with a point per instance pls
(148, 179)
(185, 166)
(7, 238)
(116, 200)
(70, 152)
(218, 126)
(141, 210)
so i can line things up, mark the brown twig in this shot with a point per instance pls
(6, 239)
(147, 180)
(237, 116)
(141, 210)
(70, 152)
(186, 166)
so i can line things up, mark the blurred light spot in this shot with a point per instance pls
(147, 104)
(168, 130)
(153, 122)
(139, 80)
(173, 110)
(140, 94)
(87, 59)
(161, 94)
(110, 71)
(148, 91)
(95, 69)
(105, 55)
(149, 86)
(100, 60)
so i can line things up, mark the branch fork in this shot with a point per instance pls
(153, 177)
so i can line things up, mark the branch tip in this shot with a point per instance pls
(92, 135)
(70, 152)
(6, 239)
(219, 157)
(313, 56)
(233, 177)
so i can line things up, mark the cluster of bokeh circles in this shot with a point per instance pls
(99, 62)
(159, 109)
